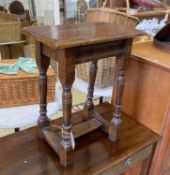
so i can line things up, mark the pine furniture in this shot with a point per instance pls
(147, 98)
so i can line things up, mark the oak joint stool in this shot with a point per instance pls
(70, 45)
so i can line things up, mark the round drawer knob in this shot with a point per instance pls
(128, 162)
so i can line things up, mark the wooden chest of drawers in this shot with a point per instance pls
(94, 153)
(129, 162)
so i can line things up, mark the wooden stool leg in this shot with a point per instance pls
(43, 63)
(66, 76)
(92, 77)
(118, 90)
(116, 120)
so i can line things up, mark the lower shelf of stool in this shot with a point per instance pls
(99, 118)
(93, 154)
(54, 138)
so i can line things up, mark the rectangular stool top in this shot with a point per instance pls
(72, 35)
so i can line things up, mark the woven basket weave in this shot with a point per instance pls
(23, 88)
(105, 73)
(10, 28)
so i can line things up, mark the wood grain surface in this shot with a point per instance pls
(23, 153)
(147, 52)
(147, 97)
(71, 35)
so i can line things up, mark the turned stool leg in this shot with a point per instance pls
(43, 63)
(66, 152)
(116, 120)
(118, 90)
(66, 76)
(92, 77)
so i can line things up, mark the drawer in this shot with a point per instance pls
(129, 162)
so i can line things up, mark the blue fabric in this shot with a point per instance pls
(26, 64)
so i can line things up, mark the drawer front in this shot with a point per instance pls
(129, 162)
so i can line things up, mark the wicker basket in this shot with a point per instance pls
(118, 4)
(23, 89)
(10, 28)
(5, 17)
(105, 73)
(106, 66)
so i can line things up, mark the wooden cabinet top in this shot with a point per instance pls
(72, 35)
(23, 152)
(147, 52)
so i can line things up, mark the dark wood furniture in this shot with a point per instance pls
(9, 45)
(25, 154)
(73, 44)
(147, 98)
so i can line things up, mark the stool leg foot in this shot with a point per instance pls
(66, 155)
(113, 129)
